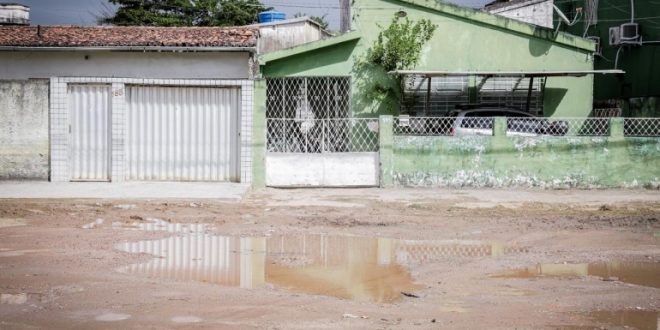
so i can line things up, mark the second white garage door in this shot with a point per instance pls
(182, 134)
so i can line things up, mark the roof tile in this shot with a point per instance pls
(124, 36)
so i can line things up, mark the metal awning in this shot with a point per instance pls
(523, 74)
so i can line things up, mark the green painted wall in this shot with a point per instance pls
(502, 161)
(465, 40)
(641, 63)
(553, 162)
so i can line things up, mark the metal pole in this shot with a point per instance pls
(529, 93)
(428, 97)
(345, 15)
(323, 144)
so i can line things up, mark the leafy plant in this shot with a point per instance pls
(321, 20)
(399, 46)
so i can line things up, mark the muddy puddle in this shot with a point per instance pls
(621, 319)
(639, 273)
(627, 318)
(349, 267)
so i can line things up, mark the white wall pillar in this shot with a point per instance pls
(118, 129)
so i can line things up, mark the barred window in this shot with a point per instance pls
(512, 92)
(446, 94)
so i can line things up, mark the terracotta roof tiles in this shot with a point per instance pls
(121, 36)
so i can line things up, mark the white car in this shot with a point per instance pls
(519, 123)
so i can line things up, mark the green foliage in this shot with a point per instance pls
(185, 12)
(398, 47)
(321, 21)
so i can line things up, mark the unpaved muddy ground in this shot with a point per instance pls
(365, 258)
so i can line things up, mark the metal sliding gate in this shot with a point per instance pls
(89, 113)
(182, 133)
(310, 139)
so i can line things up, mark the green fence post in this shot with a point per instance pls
(616, 127)
(499, 126)
(385, 140)
(259, 135)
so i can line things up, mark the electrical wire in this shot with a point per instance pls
(616, 60)
(632, 11)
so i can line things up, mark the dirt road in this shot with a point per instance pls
(362, 258)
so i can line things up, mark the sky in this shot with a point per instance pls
(85, 12)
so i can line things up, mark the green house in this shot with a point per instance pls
(325, 116)
(465, 40)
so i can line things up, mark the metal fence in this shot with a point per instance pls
(523, 126)
(322, 135)
(308, 97)
(559, 126)
(641, 127)
(439, 126)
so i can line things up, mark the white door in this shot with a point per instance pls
(182, 133)
(89, 120)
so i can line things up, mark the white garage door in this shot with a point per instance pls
(89, 120)
(182, 134)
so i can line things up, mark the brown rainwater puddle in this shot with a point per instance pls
(350, 267)
(622, 319)
(640, 273)
(627, 318)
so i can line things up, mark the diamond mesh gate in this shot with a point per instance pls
(311, 139)
(310, 115)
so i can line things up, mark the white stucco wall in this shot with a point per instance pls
(29, 64)
(353, 169)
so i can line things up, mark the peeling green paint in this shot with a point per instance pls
(545, 162)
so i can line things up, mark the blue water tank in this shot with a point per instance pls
(271, 16)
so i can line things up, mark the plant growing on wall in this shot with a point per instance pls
(321, 20)
(399, 46)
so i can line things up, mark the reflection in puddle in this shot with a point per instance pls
(366, 269)
(640, 273)
(161, 225)
(627, 318)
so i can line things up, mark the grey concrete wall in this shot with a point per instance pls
(24, 129)
(26, 65)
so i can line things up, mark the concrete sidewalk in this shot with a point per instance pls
(127, 190)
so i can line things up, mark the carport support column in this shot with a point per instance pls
(386, 140)
(499, 126)
(118, 129)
